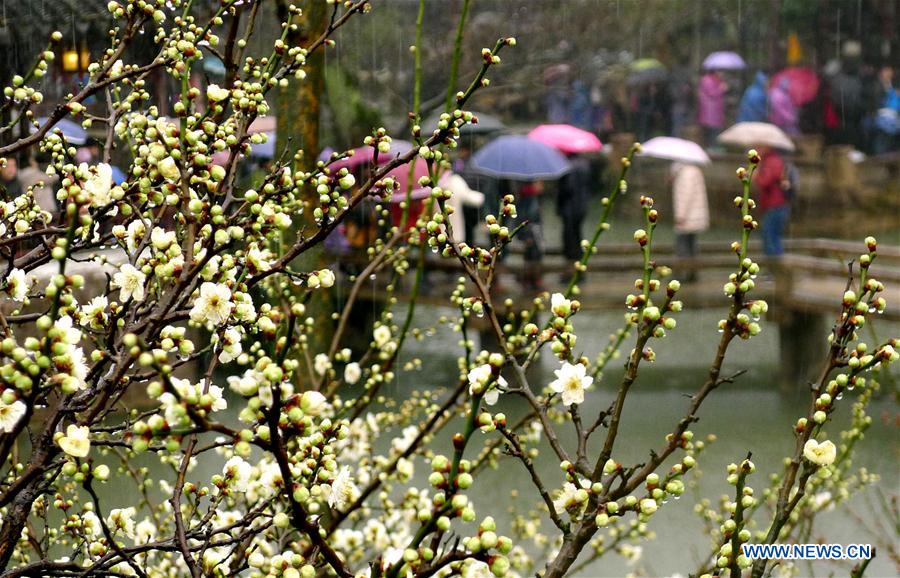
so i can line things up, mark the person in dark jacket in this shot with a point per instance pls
(10, 186)
(572, 203)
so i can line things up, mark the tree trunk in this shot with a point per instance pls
(298, 110)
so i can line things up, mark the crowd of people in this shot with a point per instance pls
(846, 102)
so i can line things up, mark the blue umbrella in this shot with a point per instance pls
(265, 150)
(517, 157)
(71, 130)
(118, 175)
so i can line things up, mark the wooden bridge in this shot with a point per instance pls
(810, 277)
(803, 288)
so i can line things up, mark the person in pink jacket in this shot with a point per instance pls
(711, 101)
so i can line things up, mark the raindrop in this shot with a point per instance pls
(479, 313)
(840, 396)
(372, 276)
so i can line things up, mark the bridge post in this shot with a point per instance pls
(801, 333)
(802, 340)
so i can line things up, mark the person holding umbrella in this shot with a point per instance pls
(574, 188)
(772, 184)
(782, 111)
(521, 164)
(711, 100)
(691, 210)
(691, 207)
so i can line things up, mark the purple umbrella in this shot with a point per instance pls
(264, 150)
(519, 158)
(724, 60)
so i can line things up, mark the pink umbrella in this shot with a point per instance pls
(566, 138)
(803, 83)
(263, 124)
(365, 155)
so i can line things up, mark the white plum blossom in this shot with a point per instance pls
(313, 403)
(566, 498)
(216, 93)
(69, 358)
(162, 239)
(480, 378)
(352, 373)
(77, 441)
(477, 569)
(130, 282)
(78, 367)
(322, 363)
(327, 278)
(559, 305)
(93, 314)
(144, 531)
(91, 525)
(134, 235)
(70, 335)
(342, 491)
(243, 307)
(571, 381)
(238, 473)
(169, 169)
(323, 278)
(246, 385)
(213, 306)
(122, 519)
(258, 259)
(631, 553)
(17, 285)
(231, 345)
(820, 454)
(11, 414)
(402, 443)
(382, 335)
(98, 184)
(217, 394)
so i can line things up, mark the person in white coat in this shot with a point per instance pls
(691, 210)
(463, 196)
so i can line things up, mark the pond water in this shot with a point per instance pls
(752, 414)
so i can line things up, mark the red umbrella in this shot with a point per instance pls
(803, 83)
(401, 175)
(365, 155)
(418, 196)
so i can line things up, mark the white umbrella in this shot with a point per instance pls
(753, 134)
(675, 149)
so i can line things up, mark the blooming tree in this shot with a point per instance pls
(198, 311)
